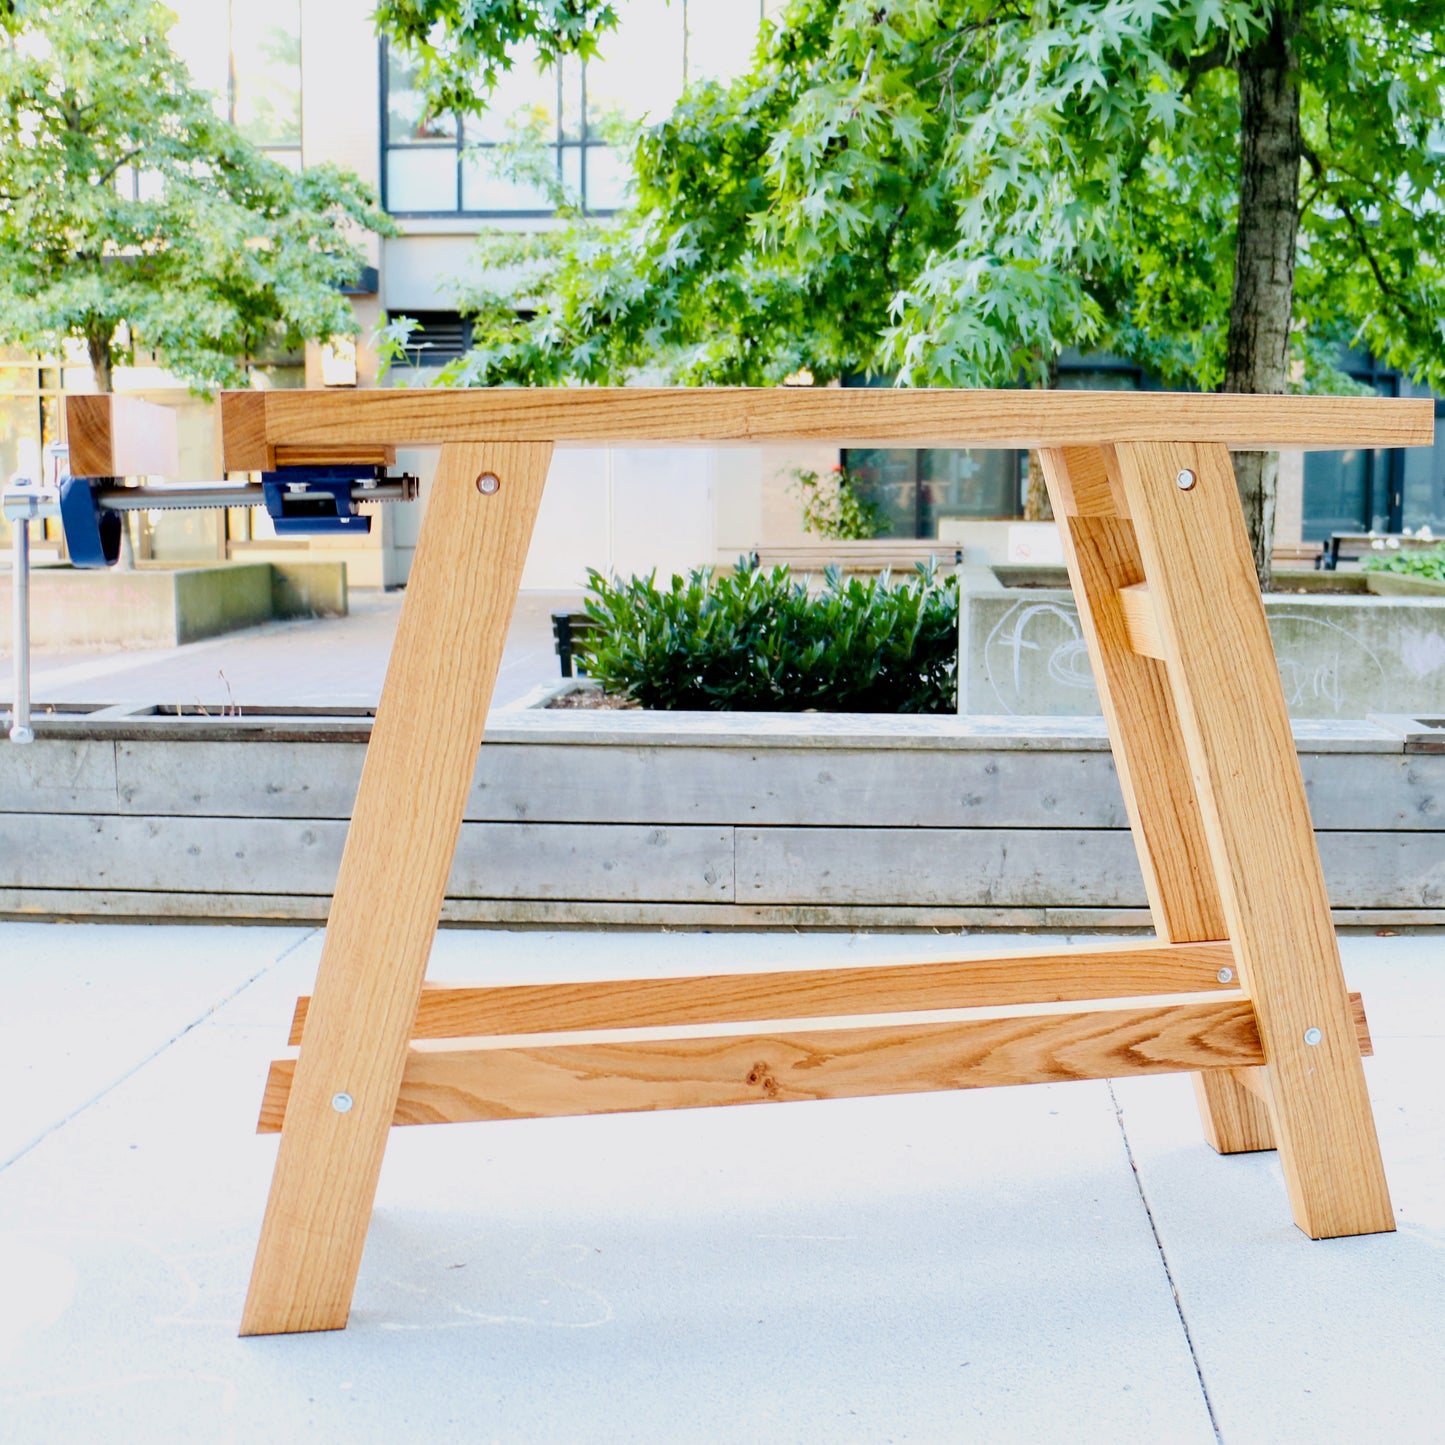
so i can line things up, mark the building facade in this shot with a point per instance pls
(309, 82)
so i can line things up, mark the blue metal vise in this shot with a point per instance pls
(306, 501)
(301, 501)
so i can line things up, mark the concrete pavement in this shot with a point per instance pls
(1064, 1262)
(322, 662)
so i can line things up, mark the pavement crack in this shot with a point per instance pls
(1164, 1260)
(155, 1053)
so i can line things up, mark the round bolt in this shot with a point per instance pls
(1225, 975)
(1313, 1036)
(342, 1103)
(1185, 479)
(489, 483)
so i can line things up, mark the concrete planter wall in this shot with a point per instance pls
(164, 606)
(698, 820)
(1021, 651)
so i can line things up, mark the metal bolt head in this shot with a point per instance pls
(1225, 975)
(1313, 1035)
(489, 483)
(1186, 479)
(342, 1103)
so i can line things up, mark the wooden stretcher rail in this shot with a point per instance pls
(519, 1078)
(1030, 976)
(256, 424)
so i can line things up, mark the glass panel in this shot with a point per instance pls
(572, 171)
(484, 190)
(203, 45)
(1347, 491)
(1336, 493)
(521, 92)
(266, 71)
(1098, 378)
(421, 180)
(720, 38)
(973, 483)
(639, 74)
(19, 421)
(1424, 482)
(407, 117)
(607, 177)
(571, 98)
(888, 477)
(187, 535)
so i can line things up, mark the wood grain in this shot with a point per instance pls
(1103, 559)
(518, 1078)
(1140, 621)
(854, 417)
(120, 436)
(393, 874)
(1237, 736)
(1105, 568)
(1032, 976)
(243, 433)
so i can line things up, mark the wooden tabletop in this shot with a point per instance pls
(709, 416)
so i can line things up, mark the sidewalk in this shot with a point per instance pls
(1054, 1263)
(327, 662)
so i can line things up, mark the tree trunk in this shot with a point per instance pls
(1262, 306)
(98, 345)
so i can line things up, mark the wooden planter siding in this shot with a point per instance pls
(688, 820)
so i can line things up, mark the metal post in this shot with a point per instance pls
(20, 729)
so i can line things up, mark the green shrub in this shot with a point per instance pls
(756, 641)
(834, 507)
(1426, 562)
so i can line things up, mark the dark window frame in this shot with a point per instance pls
(459, 146)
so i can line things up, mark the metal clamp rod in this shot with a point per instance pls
(20, 729)
(229, 494)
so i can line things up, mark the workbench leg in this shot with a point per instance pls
(1102, 554)
(399, 850)
(1231, 713)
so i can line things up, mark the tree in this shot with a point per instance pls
(953, 191)
(133, 217)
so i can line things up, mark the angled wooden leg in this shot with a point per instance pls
(399, 850)
(1211, 632)
(1134, 693)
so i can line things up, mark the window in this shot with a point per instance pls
(29, 418)
(439, 165)
(251, 63)
(918, 488)
(1356, 490)
(264, 93)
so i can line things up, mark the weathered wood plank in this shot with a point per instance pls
(520, 1078)
(286, 856)
(938, 865)
(1117, 970)
(59, 775)
(857, 417)
(620, 783)
(998, 868)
